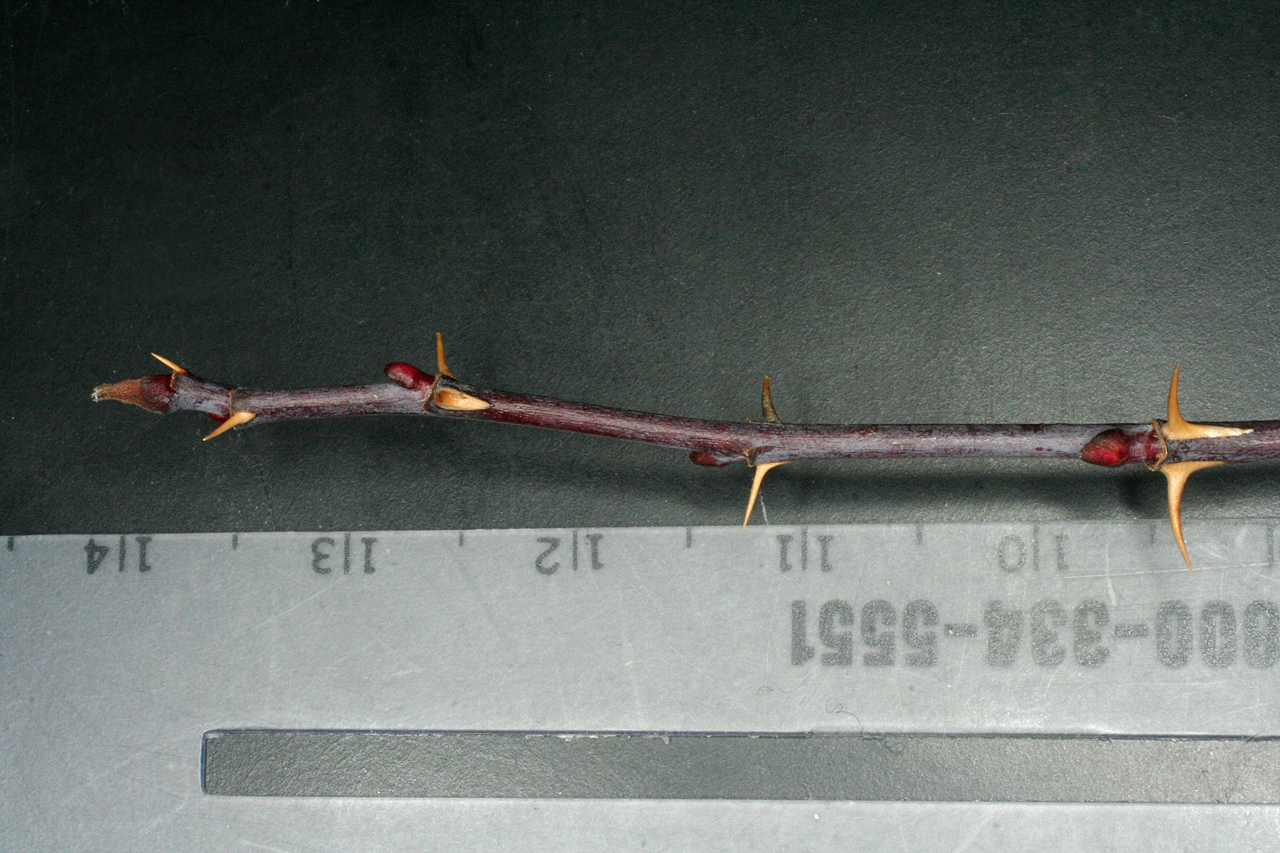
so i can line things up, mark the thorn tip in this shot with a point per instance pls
(761, 469)
(1178, 428)
(441, 367)
(236, 419)
(1176, 474)
(766, 404)
(169, 364)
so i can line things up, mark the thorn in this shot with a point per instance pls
(236, 419)
(454, 400)
(441, 367)
(761, 469)
(1174, 421)
(766, 403)
(1177, 428)
(169, 364)
(1176, 474)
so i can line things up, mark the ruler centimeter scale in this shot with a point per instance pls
(828, 617)
(124, 651)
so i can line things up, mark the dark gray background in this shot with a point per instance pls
(901, 212)
(923, 212)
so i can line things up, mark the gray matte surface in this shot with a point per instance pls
(925, 212)
(135, 647)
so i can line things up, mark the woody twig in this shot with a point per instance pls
(1173, 446)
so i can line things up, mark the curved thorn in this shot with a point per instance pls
(761, 469)
(1178, 428)
(1174, 420)
(766, 404)
(236, 419)
(169, 364)
(441, 367)
(1176, 474)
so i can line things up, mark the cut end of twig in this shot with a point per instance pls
(153, 393)
(128, 391)
(150, 392)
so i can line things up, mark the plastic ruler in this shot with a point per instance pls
(173, 691)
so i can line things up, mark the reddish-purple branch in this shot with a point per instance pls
(714, 443)
(1175, 447)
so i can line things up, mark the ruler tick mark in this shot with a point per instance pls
(593, 547)
(688, 537)
(784, 540)
(823, 543)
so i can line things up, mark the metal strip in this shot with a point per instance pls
(628, 765)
